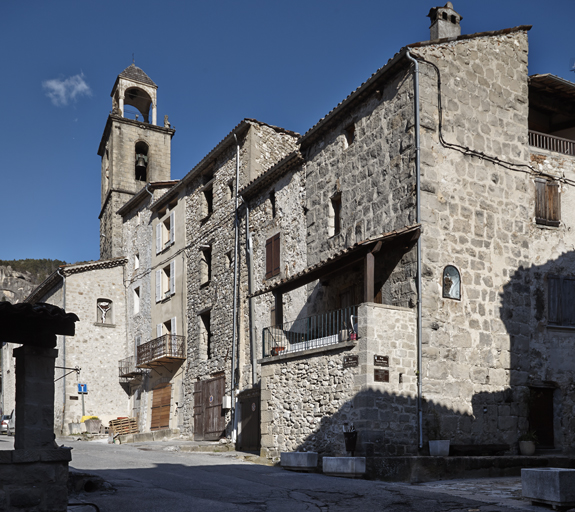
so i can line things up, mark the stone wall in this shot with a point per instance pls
(261, 148)
(479, 216)
(308, 397)
(375, 174)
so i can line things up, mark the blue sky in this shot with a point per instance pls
(215, 63)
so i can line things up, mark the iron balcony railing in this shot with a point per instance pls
(551, 143)
(311, 332)
(127, 368)
(163, 349)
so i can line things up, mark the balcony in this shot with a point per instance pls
(551, 143)
(127, 368)
(311, 332)
(168, 348)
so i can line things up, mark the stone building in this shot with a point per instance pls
(95, 292)
(439, 271)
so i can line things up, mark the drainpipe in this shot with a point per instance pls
(63, 353)
(418, 220)
(235, 314)
(249, 252)
(151, 195)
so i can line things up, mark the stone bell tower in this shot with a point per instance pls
(134, 152)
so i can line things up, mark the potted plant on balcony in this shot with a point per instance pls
(527, 442)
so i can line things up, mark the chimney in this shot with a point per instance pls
(444, 22)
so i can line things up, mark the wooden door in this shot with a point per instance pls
(541, 416)
(161, 397)
(209, 418)
(249, 438)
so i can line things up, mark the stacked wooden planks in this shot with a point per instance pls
(124, 426)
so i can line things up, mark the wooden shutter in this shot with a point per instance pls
(172, 227)
(172, 277)
(158, 237)
(276, 255)
(553, 316)
(173, 326)
(269, 258)
(540, 213)
(553, 203)
(158, 285)
(568, 301)
(158, 330)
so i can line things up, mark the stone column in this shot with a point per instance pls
(34, 397)
(121, 105)
(154, 119)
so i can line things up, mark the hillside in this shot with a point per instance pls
(19, 277)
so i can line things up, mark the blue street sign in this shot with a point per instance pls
(82, 389)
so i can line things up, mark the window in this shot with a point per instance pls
(561, 301)
(451, 283)
(206, 265)
(230, 190)
(273, 256)
(136, 261)
(136, 300)
(170, 326)
(334, 221)
(349, 135)
(207, 199)
(205, 336)
(141, 161)
(547, 202)
(166, 281)
(166, 232)
(273, 203)
(104, 312)
(228, 260)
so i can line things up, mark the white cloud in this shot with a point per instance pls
(62, 91)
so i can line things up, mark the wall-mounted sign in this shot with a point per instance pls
(73, 398)
(82, 389)
(350, 361)
(380, 375)
(381, 360)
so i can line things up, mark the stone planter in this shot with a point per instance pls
(527, 447)
(75, 428)
(93, 426)
(439, 448)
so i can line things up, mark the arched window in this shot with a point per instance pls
(451, 283)
(104, 312)
(141, 168)
(139, 99)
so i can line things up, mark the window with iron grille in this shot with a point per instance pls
(561, 304)
(547, 202)
(273, 256)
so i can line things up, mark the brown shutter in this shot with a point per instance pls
(276, 255)
(269, 258)
(540, 210)
(553, 203)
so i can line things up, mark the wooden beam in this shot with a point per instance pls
(368, 277)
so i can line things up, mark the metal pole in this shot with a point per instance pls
(235, 312)
(83, 408)
(418, 220)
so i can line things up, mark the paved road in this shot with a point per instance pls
(147, 477)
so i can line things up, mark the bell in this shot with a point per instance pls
(140, 162)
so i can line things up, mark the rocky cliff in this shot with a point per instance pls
(15, 286)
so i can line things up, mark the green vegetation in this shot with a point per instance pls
(40, 269)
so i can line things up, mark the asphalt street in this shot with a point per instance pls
(157, 477)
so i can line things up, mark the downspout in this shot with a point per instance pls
(151, 195)
(235, 313)
(418, 220)
(249, 252)
(63, 353)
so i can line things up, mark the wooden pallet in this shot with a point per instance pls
(124, 426)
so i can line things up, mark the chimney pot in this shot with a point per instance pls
(445, 22)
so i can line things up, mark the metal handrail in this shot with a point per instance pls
(168, 345)
(311, 332)
(127, 367)
(551, 143)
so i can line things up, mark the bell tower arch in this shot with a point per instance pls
(134, 151)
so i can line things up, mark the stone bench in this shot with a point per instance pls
(550, 486)
(299, 461)
(349, 467)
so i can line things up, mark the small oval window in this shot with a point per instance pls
(451, 283)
